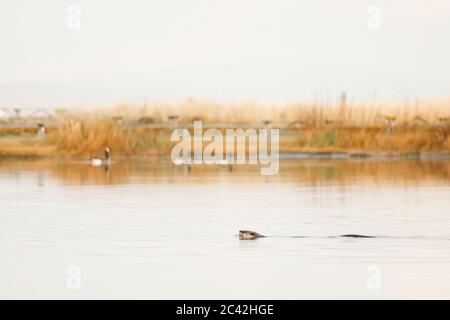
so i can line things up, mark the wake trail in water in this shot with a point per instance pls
(361, 236)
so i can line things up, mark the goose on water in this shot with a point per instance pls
(102, 161)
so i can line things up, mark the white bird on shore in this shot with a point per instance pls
(181, 161)
(227, 162)
(178, 161)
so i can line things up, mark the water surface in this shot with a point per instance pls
(148, 229)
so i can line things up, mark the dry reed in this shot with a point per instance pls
(405, 127)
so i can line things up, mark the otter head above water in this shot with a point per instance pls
(249, 235)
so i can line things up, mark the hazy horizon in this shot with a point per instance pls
(284, 51)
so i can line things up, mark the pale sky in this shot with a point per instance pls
(228, 50)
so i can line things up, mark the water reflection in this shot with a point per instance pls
(148, 229)
(308, 171)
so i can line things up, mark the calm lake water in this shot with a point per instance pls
(148, 229)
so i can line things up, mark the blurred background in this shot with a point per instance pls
(82, 53)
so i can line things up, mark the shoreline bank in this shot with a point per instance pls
(288, 155)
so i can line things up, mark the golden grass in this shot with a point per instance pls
(342, 113)
(16, 147)
(402, 140)
(86, 136)
(343, 126)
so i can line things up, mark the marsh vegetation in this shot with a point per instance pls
(131, 130)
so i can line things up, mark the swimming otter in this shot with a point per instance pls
(252, 235)
(249, 235)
